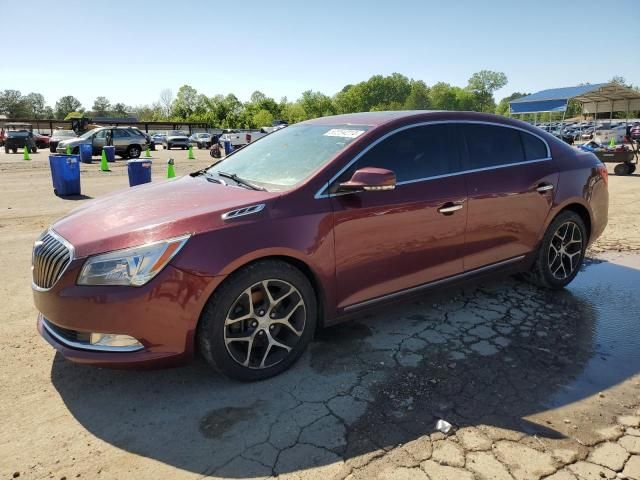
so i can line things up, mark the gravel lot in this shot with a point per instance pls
(536, 384)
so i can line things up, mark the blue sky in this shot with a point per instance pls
(130, 50)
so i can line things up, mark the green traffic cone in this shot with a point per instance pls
(147, 153)
(191, 157)
(171, 172)
(26, 153)
(104, 165)
(612, 142)
(68, 149)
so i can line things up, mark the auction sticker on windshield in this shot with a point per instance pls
(339, 132)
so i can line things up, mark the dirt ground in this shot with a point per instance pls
(535, 384)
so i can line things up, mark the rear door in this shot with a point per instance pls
(511, 181)
(389, 241)
(121, 140)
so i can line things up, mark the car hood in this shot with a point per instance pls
(73, 142)
(153, 212)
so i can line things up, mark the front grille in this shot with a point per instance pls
(69, 335)
(50, 258)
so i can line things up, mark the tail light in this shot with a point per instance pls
(604, 173)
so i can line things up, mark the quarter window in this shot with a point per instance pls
(490, 146)
(120, 133)
(415, 153)
(534, 148)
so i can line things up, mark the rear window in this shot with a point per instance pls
(492, 145)
(534, 148)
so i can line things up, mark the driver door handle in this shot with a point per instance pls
(449, 208)
(544, 187)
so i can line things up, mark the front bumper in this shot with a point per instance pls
(161, 315)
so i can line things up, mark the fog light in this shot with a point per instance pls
(114, 341)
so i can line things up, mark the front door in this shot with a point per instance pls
(99, 141)
(390, 241)
(511, 182)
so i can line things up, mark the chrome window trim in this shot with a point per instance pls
(86, 346)
(432, 284)
(320, 193)
(72, 257)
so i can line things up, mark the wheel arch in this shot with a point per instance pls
(583, 212)
(303, 266)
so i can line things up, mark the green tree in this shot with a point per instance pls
(316, 104)
(483, 84)
(101, 106)
(185, 103)
(12, 104)
(418, 98)
(66, 105)
(442, 96)
(35, 105)
(263, 118)
(120, 110)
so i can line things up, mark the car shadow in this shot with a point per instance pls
(75, 197)
(489, 353)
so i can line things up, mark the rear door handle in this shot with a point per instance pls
(544, 187)
(449, 208)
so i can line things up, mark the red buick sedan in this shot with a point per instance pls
(309, 225)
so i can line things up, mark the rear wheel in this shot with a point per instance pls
(561, 253)
(134, 151)
(14, 150)
(259, 321)
(622, 169)
(6, 150)
(34, 149)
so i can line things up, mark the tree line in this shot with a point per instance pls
(392, 92)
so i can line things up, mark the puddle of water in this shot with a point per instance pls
(611, 291)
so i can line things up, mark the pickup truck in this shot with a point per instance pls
(240, 138)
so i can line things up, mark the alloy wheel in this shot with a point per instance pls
(264, 324)
(565, 250)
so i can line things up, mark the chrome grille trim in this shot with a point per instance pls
(51, 256)
(240, 212)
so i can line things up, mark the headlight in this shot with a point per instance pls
(132, 266)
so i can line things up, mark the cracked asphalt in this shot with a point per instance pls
(536, 384)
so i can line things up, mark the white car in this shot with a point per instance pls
(605, 135)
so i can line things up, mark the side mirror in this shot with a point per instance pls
(369, 179)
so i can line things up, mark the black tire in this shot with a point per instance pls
(621, 169)
(14, 150)
(52, 149)
(184, 148)
(134, 151)
(541, 271)
(34, 149)
(6, 150)
(199, 146)
(75, 150)
(632, 167)
(211, 328)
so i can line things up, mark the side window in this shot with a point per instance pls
(491, 146)
(101, 134)
(415, 153)
(534, 148)
(119, 133)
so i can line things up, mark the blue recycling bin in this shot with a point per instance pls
(65, 173)
(110, 152)
(86, 152)
(227, 147)
(139, 172)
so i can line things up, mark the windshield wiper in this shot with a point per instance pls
(241, 181)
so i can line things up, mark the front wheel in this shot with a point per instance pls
(134, 151)
(259, 322)
(561, 253)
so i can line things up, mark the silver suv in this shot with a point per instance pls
(175, 138)
(129, 141)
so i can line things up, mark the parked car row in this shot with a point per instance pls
(129, 142)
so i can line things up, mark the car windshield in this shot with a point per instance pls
(203, 135)
(175, 133)
(88, 134)
(287, 157)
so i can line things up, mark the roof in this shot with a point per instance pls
(368, 118)
(603, 97)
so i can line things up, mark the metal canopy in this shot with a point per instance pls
(600, 97)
